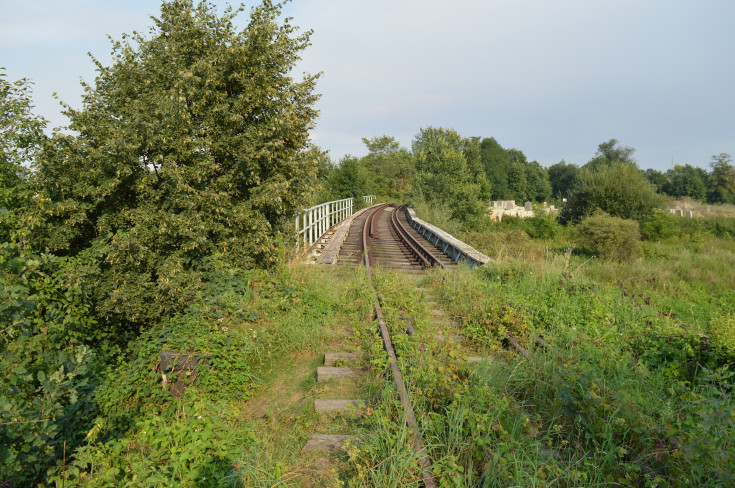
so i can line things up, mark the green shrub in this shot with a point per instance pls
(542, 225)
(611, 238)
(660, 225)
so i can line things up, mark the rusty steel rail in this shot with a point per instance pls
(369, 228)
(426, 257)
(427, 474)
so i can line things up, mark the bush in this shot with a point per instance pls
(660, 225)
(542, 225)
(610, 237)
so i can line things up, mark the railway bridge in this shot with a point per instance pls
(396, 238)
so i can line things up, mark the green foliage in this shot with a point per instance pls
(686, 181)
(617, 188)
(610, 152)
(496, 162)
(543, 225)
(189, 145)
(656, 178)
(562, 177)
(610, 237)
(390, 166)
(241, 322)
(349, 180)
(619, 393)
(659, 225)
(721, 184)
(21, 135)
(511, 175)
(48, 374)
(449, 171)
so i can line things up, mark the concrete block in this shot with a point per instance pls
(528, 207)
(184, 366)
(324, 373)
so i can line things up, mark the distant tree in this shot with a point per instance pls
(389, 166)
(349, 179)
(618, 189)
(657, 178)
(497, 162)
(517, 182)
(190, 145)
(686, 181)
(539, 189)
(511, 175)
(562, 177)
(609, 152)
(450, 172)
(721, 184)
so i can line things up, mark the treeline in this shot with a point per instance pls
(466, 173)
(442, 168)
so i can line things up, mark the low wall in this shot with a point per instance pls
(447, 243)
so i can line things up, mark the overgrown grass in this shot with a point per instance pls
(245, 323)
(627, 381)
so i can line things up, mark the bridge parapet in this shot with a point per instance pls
(447, 243)
(311, 223)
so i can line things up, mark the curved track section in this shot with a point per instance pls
(390, 242)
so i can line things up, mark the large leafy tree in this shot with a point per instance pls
(390, 167)
(497, 165)
(562, 177)
(617, 188)
(349, 179)
(686, 181)
(609, 152)
(511, 175)
(657, 178)
(450, 172)
(190, 145)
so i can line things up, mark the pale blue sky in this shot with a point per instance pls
(553, 79)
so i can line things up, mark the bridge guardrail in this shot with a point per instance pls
(447, 243)
(311, 223)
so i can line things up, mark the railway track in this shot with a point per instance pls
(414, 252)
(390, 243)
(381, 237)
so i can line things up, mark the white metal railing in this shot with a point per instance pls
(312, 223)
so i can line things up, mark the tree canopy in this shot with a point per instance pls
(617, 188)
(190, 145)
(722, 180)
(449, 171)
